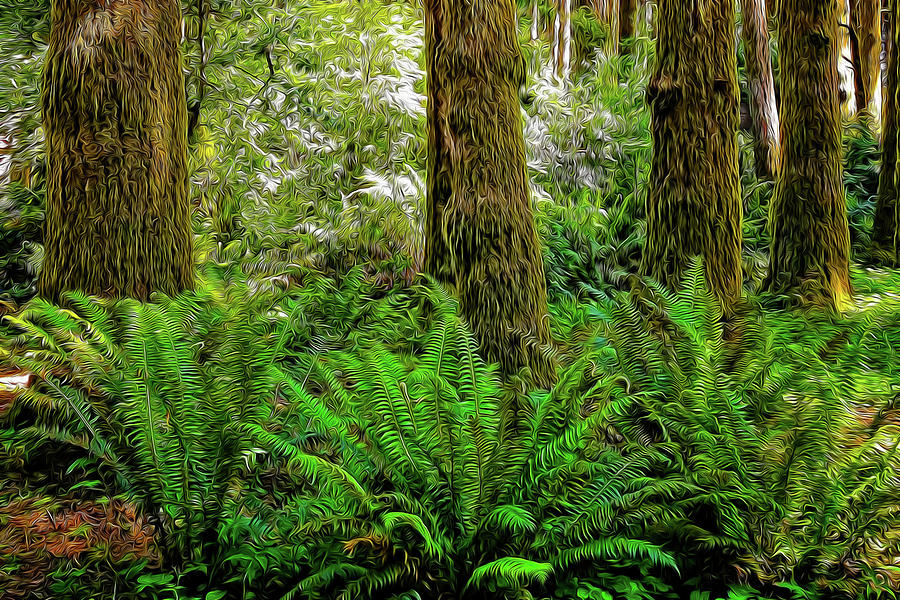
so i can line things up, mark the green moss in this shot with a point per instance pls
(810, 234)
(480, 233)
(693, 206)
(115, 119)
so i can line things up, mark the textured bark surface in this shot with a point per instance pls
(810, 236)
(694, 205)
(755, 34)
(480, 233)
(865, 20)
(886, 209)
(627, 16)
(115, 121)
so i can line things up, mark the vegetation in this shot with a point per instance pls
(423, 353)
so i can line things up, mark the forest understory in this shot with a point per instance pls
(449, 300)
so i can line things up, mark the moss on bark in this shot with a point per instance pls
(810, 235)
(115, 122)
(627, 16)
(480, 233)
(694, 205)
(886, 208)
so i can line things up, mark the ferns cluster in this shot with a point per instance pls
(331, 441)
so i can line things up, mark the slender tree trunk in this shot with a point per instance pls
(535, 19)
(627, 15)
(886, 213)
(764, 112)
(556, 45)
(115, 122)
(694, 205)
(865, 22)
(565, 63)
(810, 236)
(480, 233)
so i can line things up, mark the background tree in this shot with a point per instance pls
(693, 205)
(810, 236)
(865, 26)
(480, 233)
(755, 35)
(627, 15)
(886, 207)
(561, 50)
(115, 120)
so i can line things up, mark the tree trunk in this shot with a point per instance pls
(865, 23)
(565, 33)
(480, 232)
(810, 236)
(535, 18)
(764, 112)
(115, 121)
(627, 15)
(694, 204)
(886, 208)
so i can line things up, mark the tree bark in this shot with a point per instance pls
(694, 204)
(764, 112)
(115, 122)
(886, 213)
(627, 15)
(810, 236)
(865, 23)
(535, 18)
(480, 233)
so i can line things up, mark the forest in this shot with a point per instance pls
(449, 299)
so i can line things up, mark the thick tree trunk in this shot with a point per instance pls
(755, 35)
(886, 213)
(115, 120)
(694, 204)
(480, 233)
(810, 236)
(865, 22)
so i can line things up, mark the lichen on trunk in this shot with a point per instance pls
(808, 220)
(480, 232)
(693, 204)
(115, 122)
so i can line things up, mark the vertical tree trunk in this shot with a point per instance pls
(556, 45)
(810, 236)
(115, 121)
(480, 233)
(694, 205)
(865, 22)
(535, 19)
(627, 15)
(763, 110)
(565, 54)
(886, 209)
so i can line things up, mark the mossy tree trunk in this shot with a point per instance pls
(115, 121)
(694, 204)
(886, 213)
(480, 232)
(865, 22)
(755, 34)
(627, 16)
(810, 236)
